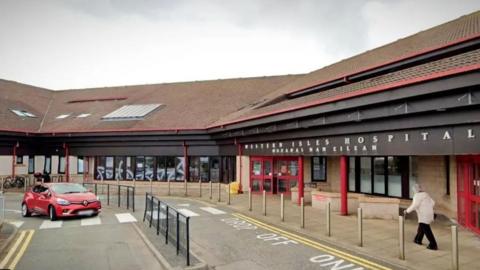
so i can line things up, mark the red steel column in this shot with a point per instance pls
(343, 186)
(301, 185)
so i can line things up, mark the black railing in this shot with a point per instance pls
(168, 221)
(122, 195)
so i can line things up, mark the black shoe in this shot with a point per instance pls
(432, 248)
(417, 242)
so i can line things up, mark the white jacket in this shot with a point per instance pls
(423, 204)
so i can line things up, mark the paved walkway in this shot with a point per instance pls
(380, 236)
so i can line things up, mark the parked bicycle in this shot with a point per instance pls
(18, 182)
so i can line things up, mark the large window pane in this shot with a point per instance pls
(109, 168)
(140, 168)
(351, 174)
(119, 168)
(149, 168)
(204, 168)
(379, 175)
(394, 177)
(80, 165)
(129, 163)
(215, 168)
(256, 167)
(319, 169)
(180, 168)
(365, 175)
(161, 169)
(99, 168)
(194, 167)
(31, 164)
(413, 164)
(61, 165)
(171, 168)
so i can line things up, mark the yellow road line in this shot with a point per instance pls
(22, 250)
(316, 245)
(12, 250)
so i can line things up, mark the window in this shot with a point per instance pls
(204, 169)
(131, 112)
(228, 169)
(319, 169)
(180, 168)
(47, 167)
(19, 160)
(388, 176)
(109, 168)
(194, 168)
(215, 169)
(140, 168)
(23, 113)
(119, 168)
(161, 169)
(149, 168)
(61, 164)
(31, 164)
(170, 168)
(129, 168)
(99, 168)
(80, 165)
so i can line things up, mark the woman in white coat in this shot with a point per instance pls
(423, 204)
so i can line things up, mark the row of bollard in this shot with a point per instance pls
(401, 220)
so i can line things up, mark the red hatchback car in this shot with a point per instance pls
(60, 200)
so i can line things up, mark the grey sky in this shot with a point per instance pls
(63, 44)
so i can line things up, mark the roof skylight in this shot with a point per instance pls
(131, 112)
(83, 115)
(23, 113)
(63, 116)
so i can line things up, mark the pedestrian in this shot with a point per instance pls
(423, 205)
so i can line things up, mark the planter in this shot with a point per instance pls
(307, 195)
(321, 198)
(379, 207)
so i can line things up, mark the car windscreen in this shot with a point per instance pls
(68, 188)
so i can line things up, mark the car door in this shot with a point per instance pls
(32, 198)
(43, 200)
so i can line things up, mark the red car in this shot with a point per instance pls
(60, 200)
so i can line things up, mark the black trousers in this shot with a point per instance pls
(424, 229)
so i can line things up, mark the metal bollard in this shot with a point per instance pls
(302, 213)
(264, 203)
(455, 260)
(200, 188)
(168, 187)
(228, 193)
(219, 190)
(360, 226)
(327, 211)
(282, 207)
(211, 190)
(249, 199)
(401, 236)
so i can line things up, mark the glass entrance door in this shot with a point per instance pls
(261, 174)
(468, 181)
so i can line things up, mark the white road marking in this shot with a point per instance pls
(213, 211)
(47, 224)
(188, 213)
(91, 221)
(183, 205)
(16, 223)
(125, 218)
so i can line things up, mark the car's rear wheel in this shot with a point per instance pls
(51, 213)
(25, 211)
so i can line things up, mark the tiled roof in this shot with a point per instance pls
(465, 62)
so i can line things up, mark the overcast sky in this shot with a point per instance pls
(64, 44)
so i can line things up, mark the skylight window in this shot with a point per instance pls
(131, 112)
(23, 113)
(63, 116)
(83, 115)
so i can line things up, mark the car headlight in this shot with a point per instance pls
(62, 201)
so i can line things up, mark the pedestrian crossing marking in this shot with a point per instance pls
(125, 218)
(91, 221)
(213, 211)
(187, 213)
(16, 223)
(183, 205)
(47, 224)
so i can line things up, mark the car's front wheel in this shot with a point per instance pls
(25, 211)
(52, 214)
